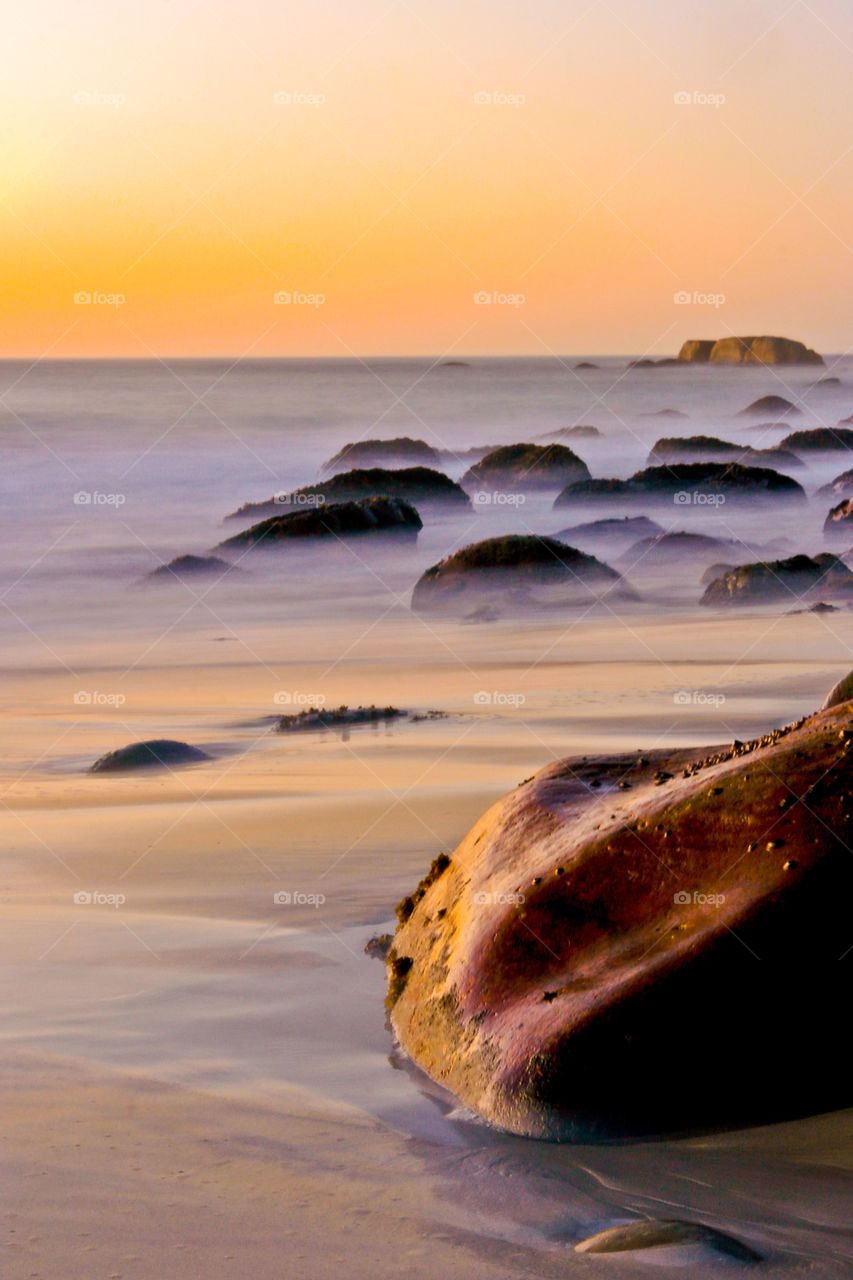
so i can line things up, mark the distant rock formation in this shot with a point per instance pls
(191, 567)
(626, 528)
(690, 448)
(770, 404)
(839, 522)
(157, 753)
(556, 972)
(819, 440)
(513, 570)
(370, 516)
(762, 350)
(688, 484)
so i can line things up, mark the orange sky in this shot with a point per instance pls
(147, 161)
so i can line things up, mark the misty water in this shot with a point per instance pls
(200, 978)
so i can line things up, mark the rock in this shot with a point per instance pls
(770, 404)
(454, 364)
(513, 569)
(824, 382)
(840, 487)
(402, 452)
(420, 486)
(820, 607)
(339, 520)
(839, 693)
(669, 548)
(572, 433)
(839, 522)
(749, 351)
(655, 1233)
(336, 718)
(715, 571)
(688, 448)
(689, 483)
(630, 528)
(603, 962)
(191, 567)
(526, 466)
(586, 364)
(157, 753)
(665, 413)
(765, 582)
(819, 440)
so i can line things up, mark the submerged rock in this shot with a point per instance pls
(402, 452)
(191, 567)
(339, 520)
(526, 466)
(773, 580)
(689, 484)
(419, 485)
(669, 548)
(157, 753)
(342, 717)
(762, 350)
(626, 528)
(820, 439)
(770, 404)
(513, 570)
(593, 960)
(690, 448)
(656, 1233)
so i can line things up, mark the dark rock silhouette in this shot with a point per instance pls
(371, 516)
(157, 753)
(420, 486)
(526, 466)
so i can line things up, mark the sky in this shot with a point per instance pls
(476, 177)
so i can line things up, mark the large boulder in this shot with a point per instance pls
(642, 943)
(820, 440)
(761, 350)
(156, 753)
(766, 582)
(688, 483)
(513, 570)
(339, 520)
(419, 485)
(402, 452)
(839, 522)
(711, 448)
(516, 467)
